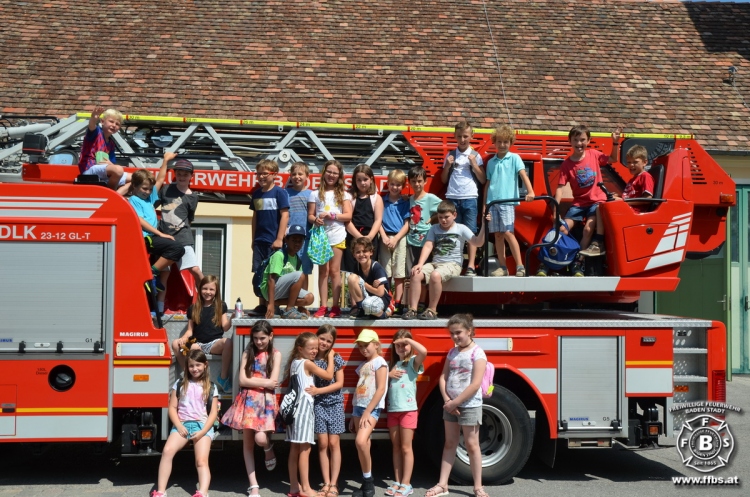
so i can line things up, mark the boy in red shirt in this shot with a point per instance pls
(640, 185)
(581, 170)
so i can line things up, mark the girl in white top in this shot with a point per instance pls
(331, 207)
(462, 409)
(302, 432)
(187, 411)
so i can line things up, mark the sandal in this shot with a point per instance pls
(479, 492)
(331, 492)
(393, 488)
(428, 314)
(270, 463)
(250, 490)
(324, 491)
(438, 491)
(405, 491)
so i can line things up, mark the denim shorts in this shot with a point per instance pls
(359, 411)
(580, 213)
(466, 210)
(194, 427)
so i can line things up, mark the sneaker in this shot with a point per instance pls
(293, 314)
(335, 312)
(321, 312)
(577, 270)
(398, 308)
(501, 271)
(542, 271)
(470, 272)
(356, 313)
(154, 493)
(225, 384)
(410, 314)
(259, 310)
(593, 250)
(520, 271)
(198, 493)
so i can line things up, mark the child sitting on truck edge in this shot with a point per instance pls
(270, 206)
(640, 185)
(464, 177)
(581, 170)
(448, 238)
(392, 253)
(163, 247)
(369, 288)
(98, 149)
(178, 206)
(502, 183)
(283, 280)
(423, 213)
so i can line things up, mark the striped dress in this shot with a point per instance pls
(303, 428)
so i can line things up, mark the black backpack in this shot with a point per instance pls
(258, 277)
(480, 185)
(290, 402)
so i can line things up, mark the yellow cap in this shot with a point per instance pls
(367, 336)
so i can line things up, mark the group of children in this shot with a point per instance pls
(318, 370)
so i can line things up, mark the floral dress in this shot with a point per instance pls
(254, 408)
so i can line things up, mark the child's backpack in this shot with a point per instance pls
(258, 277)
(208, 402)
(488, 380)
(290, 402)
(561, 254)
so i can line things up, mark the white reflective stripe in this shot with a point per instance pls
(682, 218)
(75, 427)
(158, 380)
(648, 380)
(665, 244)
(665, 259)
(78, 214)
(544, 379)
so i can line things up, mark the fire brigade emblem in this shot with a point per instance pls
(705, 443)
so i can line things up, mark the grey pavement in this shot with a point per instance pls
(74, 470)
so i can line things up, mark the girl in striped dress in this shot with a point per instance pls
(301, 433)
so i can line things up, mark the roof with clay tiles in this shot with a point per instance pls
(657, 67)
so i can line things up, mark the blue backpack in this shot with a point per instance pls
(561, 254)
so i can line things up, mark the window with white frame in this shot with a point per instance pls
(210, 247)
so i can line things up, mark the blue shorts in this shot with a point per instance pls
(194, 427)
(503, 218)
(581, 213)
(359, 411)
(466, 212)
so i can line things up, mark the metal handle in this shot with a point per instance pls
(723, 303)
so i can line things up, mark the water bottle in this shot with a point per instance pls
(238, 309)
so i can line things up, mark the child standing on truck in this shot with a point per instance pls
(270, 206)
(301, 432)
(329, 411)
(640, 185)
(423, 208)
(191, 420)
(178, 206)
(447, 238)
(254, 409)
(503, 171)
(460, 385)
(369, 288)
(369, 402)
(367, 213)
(98, 149)
(332, 209)
(161, 246)
(207, 324)
(299, 198)
(407, 358)
(392, 253)
(581, 170)
(463, 173)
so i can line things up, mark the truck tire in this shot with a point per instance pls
(505, 437)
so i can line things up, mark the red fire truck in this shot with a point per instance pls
(92, 366)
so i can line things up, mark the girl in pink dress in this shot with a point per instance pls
(254, 410)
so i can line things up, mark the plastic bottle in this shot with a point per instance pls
(238, 313)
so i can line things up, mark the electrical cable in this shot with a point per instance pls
(497, 61)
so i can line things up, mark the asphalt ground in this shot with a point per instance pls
(75, 470)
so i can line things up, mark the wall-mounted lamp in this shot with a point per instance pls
(732, 71)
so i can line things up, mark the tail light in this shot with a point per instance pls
(719, 385)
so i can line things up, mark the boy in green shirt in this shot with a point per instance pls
(283, 280)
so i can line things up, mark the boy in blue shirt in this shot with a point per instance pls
(160, 246)
(270, 206)
(299, 198)
(503, 171)
(393, 230)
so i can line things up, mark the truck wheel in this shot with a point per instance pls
(505, 439)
